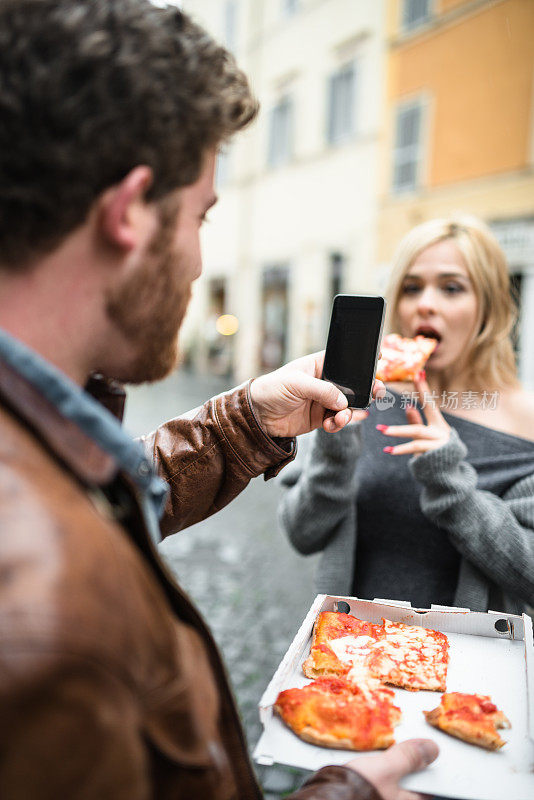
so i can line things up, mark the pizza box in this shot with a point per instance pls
(489, 654)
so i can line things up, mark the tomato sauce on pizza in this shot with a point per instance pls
(401, 358)
(470, 717)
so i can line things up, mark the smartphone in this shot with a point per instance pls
(353, 345)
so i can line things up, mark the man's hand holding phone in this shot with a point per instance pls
(353, 345)
(295, 400)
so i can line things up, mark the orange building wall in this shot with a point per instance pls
(439, 7)
(448, 5)
(479, 73)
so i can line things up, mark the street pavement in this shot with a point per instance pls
(251, 587)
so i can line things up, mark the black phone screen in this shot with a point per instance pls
(352, 346)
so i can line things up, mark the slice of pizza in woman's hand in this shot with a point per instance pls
(333, 712)
(401, 359)
(402, 655)
(470, 717)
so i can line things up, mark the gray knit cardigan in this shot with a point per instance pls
(494, 535)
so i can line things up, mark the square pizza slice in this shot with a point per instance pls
(402, 655)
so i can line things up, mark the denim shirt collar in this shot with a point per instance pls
(88, 414)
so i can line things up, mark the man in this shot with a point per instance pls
(110, 683)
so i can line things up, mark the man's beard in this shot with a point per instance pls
(149, 307)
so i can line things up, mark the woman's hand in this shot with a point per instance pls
(424, 437)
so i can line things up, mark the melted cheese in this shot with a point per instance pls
(352, 649)
(408, 651)
(371, 688)
(419, 664)
(407, 358)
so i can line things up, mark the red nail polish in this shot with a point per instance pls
(388, 449)
(423, 375)
(381, 427)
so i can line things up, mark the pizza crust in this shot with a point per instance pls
(327, 740)
(320, 665)
(322, 739)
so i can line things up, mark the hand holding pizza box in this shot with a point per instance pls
(483, 663)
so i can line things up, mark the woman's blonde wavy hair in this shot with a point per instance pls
(491, 357)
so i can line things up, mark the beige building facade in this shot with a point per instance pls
(297, 211)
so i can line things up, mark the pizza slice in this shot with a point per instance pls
(470, 717)
(410, 657)
(402, 655)
(333, 633)
(401, 359)
(332, 712)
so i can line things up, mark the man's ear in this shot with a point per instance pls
(122, 211)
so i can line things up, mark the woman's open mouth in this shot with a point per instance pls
(430, 333)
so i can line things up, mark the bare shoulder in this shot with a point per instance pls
(521, 401)
(512, 414)
(518, 406)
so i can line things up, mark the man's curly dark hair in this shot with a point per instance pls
(90, 89)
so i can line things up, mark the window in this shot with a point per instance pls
(341, 104)
(275, 317)
(289, 7)
(337, 269)
(219, 348)
(230, 24)
(407, 152)
(281, 133)
(516, 287)
(415, 13)
(223, 167)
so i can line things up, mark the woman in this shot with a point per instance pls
(432, 502)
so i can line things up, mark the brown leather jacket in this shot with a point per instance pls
(111, 687)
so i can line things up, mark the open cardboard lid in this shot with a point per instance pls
(489, 654)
